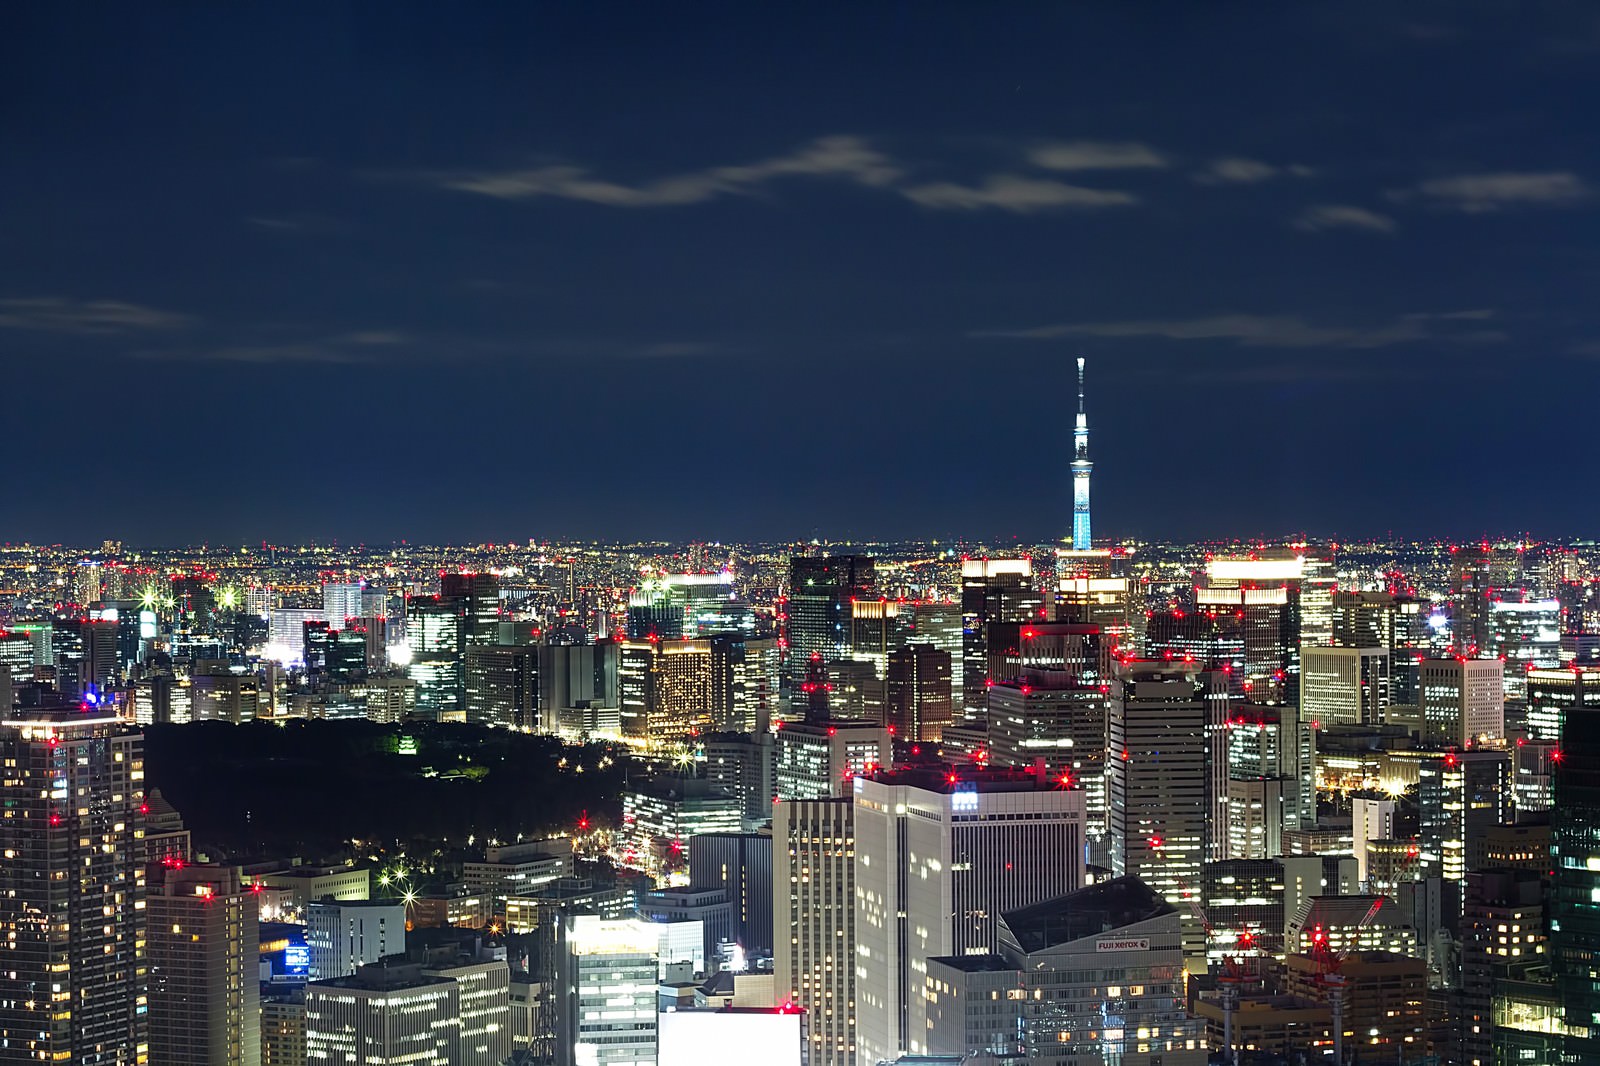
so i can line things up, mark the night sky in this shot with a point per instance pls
(480, 272)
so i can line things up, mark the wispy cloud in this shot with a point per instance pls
(1095, 155)
(358, 346)
(842, 158)
(56, 314)
(1343, 216)
(1477, 194)
(1237, 170)
(1263, 331)
(1012, 192)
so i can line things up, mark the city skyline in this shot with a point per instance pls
(774, 273)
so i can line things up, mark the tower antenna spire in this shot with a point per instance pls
(1081, 466)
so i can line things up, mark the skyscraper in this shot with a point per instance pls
(1575, 855)
(1167, 774)
(1463, 701)
(992, 591)
(605, 996)
(203, 955)
(917, 699)
(1081, 466)
(940, 854)
(74, 984)
(818, 610)
(814, 921)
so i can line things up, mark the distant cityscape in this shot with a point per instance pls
(899, 802)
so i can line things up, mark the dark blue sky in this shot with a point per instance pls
(759, 270)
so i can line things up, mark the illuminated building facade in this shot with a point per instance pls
(1553, 694)
(992, 590)
(1364, 619)
(665, 691)
(1344, 686)
(1460, 796)
(1167, 774)
(502, 686)
(822, 758)
(1094, 978)
(814, 921)
(659, 817)
(1463, 702)
(203, 952)
(72, 890)
(434, 637)
(821, 589)
(875, 630)
(385, 1013)
(1049, 721)
(344, 935)
(605, 994)
(1575, 914)
(1259, 597)
(918, 698)
(940, 855)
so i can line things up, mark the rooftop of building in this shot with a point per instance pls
(948, 777)
(974, 963)
(385, 976)
(1090, 911)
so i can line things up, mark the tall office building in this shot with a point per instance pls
(1258, 596)
(502, 686)
(434, 637)
(1470, 585)
(346, 934)
(72, 889)
(476, 597)
(203, 953)
(1167, 774)
(1463, 702)
(1575, 855)
(340, 602)
(384, 1013)
(823, 758)
(1082, 540)
(818, 607)
(875, 631)
(940, 854)
(1344, 685)
(1051, 720)
(665, 691)
(605, 992)
(1554, 694)
(918, 701)
(1366, 619)
(814, 921)
(739, 865)
(992, 591)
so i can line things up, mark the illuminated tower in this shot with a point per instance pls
(1080, 473)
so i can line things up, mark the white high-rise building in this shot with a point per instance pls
(940, 853)
(814, 921)
(340, 602)
(345, 934)
(605, 996)
(1463, 701)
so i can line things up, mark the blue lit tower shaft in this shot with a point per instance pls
(1081, 466)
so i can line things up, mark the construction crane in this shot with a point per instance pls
(1328, 977)
(1233, 975)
